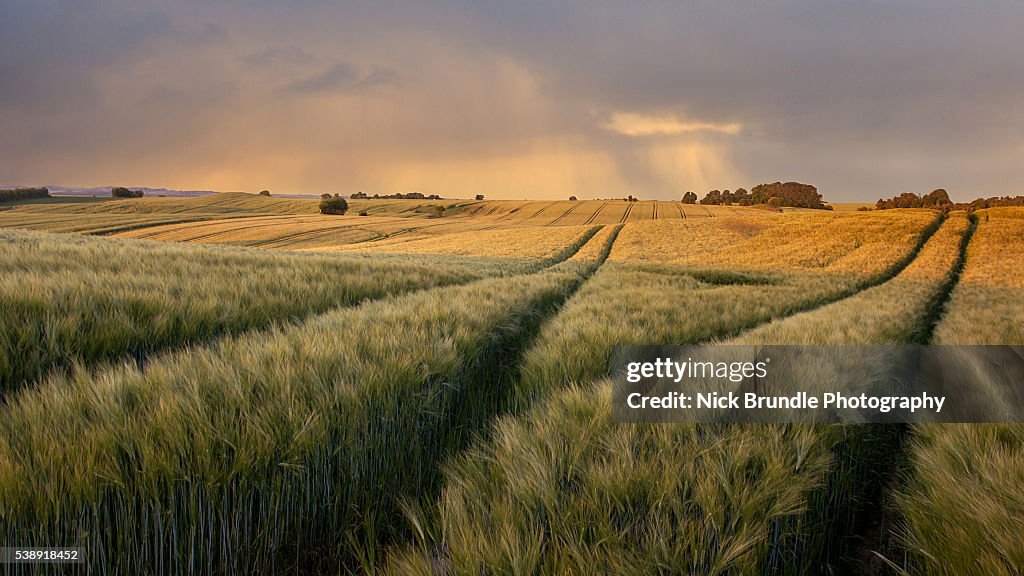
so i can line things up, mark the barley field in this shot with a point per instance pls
(237, 384)
(75, 301)
(961, 498)
(563, 486)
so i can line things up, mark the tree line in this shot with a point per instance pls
(12, 194)
(398, 196)
(777, 195)
(939, 200)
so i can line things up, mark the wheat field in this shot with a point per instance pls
(641, 498)
(961, 498)
(425, 391)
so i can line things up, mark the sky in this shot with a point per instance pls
(523, 99)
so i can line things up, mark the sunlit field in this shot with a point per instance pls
(238, 384)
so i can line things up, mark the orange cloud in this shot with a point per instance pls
(637, 125)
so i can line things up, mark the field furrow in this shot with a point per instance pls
(960, 502)
(563, 486)
(307, 435)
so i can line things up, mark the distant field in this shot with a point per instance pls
(410, 393)
(268, 222)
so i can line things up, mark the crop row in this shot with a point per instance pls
(561, 486)
(292, 447)
(961, 502)
(71, 300)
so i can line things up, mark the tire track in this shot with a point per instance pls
(141, 358)
(310, 235)
(262, 221)
(886, 276)
(625, 215)
(156, 234)
(564, 214)
(539, 212)
(510, 213)
(596, 212)
(938, 308)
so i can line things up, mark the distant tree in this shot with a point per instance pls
(572, 198)
(479, 196)
(264, 192)
(775, 202)
(904, 200)
(792, 194)
(712, 198)
(690, 198)
(938, 198)
(358, 195)
(122, 192)
(23, 194)
(337, 206)
(325, 196)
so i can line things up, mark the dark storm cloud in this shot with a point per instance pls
(860, 98)
(794, 69)
(47, 52)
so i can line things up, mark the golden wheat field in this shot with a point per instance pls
(423, 387)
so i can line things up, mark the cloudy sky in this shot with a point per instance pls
(522, 99)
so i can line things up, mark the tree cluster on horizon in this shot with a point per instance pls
(939, 199)
(778, 194)
(122, 192)
(23, 194)
(398, 196)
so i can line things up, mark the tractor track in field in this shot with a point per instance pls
(142, 357)
(509, 214)
(625, 215)
(886, 276)
(655, 216)
(564, 214)
(682, 213)
(539, 212)
(245, 228)
(153, 234)
(596, 212)
(496, 367)
(875, 542)
(309, 235)
(109, 231)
